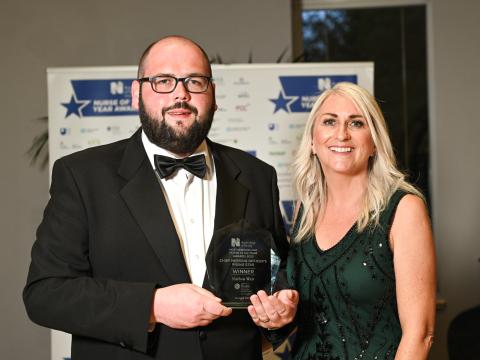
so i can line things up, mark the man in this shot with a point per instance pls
(119, 259)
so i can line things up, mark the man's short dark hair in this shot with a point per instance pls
(140, 72)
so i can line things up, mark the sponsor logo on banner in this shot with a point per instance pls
(241, 81)
(277, 153)
(298, 93)
(114, 129)
(237, 128)
(236, 120)
(272, 141)
(243, 95)
(67, 146)
(94, 142)
(242, 107)
(272, 126)
(100, 97)
(88, 130)
(296, 126)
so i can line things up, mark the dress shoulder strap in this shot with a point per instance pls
(386, 218)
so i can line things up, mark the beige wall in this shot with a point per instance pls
(455, 130)
(35, 35)
(65, 33)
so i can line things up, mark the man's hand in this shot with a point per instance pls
(185, 306)
(274, 311)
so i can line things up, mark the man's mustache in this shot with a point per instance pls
(180, 105)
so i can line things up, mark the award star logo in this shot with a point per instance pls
(74, 106)
(282, 102)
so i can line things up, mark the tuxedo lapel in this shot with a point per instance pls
(145, 199)
(231, 194)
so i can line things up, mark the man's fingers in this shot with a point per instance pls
(184, 306)
(215, 308)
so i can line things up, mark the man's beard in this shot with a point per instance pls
(163, 135)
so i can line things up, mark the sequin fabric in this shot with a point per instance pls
(347, 307)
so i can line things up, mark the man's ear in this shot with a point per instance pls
(135, 90)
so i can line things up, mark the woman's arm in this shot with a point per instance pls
(414, 262)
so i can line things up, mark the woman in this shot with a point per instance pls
(362, 252)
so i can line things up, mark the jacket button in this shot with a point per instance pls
(202, 335)
(122, 344)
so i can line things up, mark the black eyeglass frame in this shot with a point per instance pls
(184, 81)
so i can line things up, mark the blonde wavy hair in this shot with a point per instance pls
(384, 178)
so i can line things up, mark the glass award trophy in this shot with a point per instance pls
(240, 261)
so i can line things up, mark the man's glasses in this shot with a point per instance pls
(167, 84)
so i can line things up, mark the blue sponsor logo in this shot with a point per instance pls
(104, 97)
(272, 126)
(252, 152)
(298, 93)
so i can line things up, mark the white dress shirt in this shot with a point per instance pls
(191, 202)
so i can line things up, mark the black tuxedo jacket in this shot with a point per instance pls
(107, 241)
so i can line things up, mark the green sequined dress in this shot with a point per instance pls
(347, 307)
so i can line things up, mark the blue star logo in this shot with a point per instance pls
(74, 106)
(282, 102)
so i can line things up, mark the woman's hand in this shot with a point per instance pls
(273, 311)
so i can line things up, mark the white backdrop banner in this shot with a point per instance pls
(262, 109)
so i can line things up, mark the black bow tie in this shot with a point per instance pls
(166, 166)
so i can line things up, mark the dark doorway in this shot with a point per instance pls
(394, 38)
